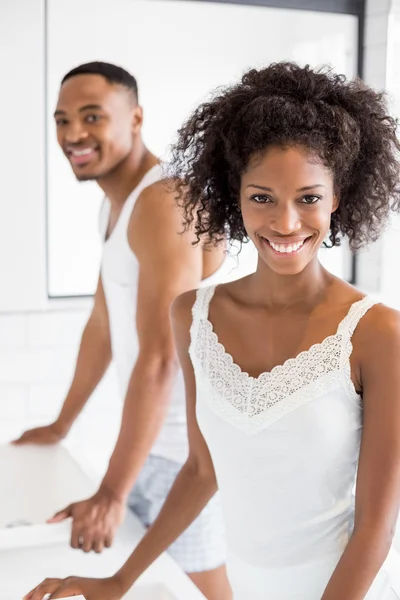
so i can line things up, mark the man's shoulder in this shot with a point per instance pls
(158, 200)
(161, 188)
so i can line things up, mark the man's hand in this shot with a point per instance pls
(42, 436)
(94, 521)
(91, 589)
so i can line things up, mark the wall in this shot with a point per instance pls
(378, 265)
(168, 89)
(390, 284)
(38, 338)
(37, 356)
(22, 209)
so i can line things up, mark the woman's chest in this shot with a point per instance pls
(325, 425)
(258, 342)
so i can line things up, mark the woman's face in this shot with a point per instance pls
(286, 200)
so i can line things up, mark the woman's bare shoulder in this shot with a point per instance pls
(381, 322)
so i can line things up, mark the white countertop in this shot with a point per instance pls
(35, 482)
(25, 562)
(23, 568)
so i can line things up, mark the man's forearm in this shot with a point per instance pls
(188, 496)
(93, 360)
(358, 567)
(145, 409)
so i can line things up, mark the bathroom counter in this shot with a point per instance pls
(39, 481)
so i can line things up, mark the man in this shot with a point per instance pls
(146, 264)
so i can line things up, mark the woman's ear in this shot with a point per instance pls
(336, 202)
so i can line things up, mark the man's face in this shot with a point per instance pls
(96, 124)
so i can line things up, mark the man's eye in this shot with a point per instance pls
(93, 118)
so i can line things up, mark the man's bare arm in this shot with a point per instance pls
(169, 265)
(93, 359)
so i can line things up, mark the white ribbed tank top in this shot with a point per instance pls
(120, 273)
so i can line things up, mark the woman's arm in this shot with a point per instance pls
(196, 483)
(376, 360)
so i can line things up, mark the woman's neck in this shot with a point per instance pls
(278, 292)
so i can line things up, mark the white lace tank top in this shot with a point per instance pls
(285, 447)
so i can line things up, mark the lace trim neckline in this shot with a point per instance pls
(227, 358)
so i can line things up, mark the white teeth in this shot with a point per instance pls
(82, 152)
(287, 249)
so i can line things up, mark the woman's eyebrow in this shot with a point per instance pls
(302, 189)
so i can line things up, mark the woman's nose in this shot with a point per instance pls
(285, 220)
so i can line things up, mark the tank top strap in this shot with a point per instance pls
(104, 217)
(355, 314)
(154, 175)
(200, 308)
(202, 302)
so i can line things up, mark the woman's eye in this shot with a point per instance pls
(260, 198)
(93, 118)
(60, 122)
(310, 199)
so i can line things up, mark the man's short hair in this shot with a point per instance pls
(112, 73)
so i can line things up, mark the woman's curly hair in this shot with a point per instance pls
(344, 123)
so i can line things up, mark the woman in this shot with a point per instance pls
(292, 374)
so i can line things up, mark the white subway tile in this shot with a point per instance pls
(10, 430)
(35, 366)
(13, 331)
(56, 328)
(45, 399)
(13, 401)
(94, 436)
(107, 395)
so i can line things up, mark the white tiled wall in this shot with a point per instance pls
(37, 358)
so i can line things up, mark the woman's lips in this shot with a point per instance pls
(285, 249)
